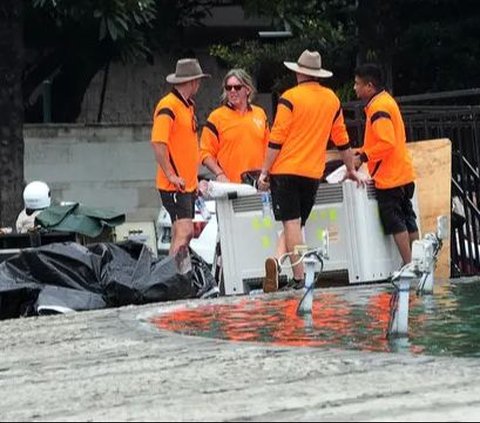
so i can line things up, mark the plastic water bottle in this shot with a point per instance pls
(266, 204)
(202, 208)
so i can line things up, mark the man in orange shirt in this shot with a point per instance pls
(175, 143)
(308, 115)
(235, 136)
(388, 159)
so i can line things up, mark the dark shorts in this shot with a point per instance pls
(179, 205)
(293, 196)
(396, 209)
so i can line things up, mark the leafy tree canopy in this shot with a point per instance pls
(423, 45)
(69, 41)
(317, 25)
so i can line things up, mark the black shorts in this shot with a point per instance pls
(293, 196)
(179, 205)
(396, 209)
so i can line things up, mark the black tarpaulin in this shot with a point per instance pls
(60, 277)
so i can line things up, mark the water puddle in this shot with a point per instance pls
(446, 323)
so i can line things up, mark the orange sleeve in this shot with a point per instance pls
(339, 132)
(384, 134)
(209, 141)
(283, 121)
(162, 124)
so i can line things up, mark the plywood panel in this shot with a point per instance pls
(432, 162)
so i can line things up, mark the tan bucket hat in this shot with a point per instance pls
(309, 63)
(186, 70)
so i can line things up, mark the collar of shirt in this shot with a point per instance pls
(369, 101)
(177, 94)
(232, 107)
(309, 81)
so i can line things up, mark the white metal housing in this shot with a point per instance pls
(350, 214)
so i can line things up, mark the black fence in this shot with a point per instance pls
(461, 124)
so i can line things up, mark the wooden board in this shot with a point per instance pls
(433, 163)
(432, 160)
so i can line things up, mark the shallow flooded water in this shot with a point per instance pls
(357, 317)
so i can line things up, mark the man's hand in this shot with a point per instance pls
(222, 178)
(178, 181)
(357, 162)
(263, 182)
(359, 177)
(203, 188)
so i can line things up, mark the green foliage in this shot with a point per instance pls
(345, 92)
(265, 60)
(300, 14)
(173, 17)
(69, 41)
(121, 23)
(439, 51)
(423, 45)
(190, 12)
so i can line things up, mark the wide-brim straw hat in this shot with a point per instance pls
(186, 70)
(309, 63)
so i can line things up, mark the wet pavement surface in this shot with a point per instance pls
(115, 365)
(445, 323)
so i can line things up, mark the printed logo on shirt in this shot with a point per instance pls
(259, 122)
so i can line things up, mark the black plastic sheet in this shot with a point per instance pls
(60, 277)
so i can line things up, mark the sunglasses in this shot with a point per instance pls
(194, 123)
(233, 87)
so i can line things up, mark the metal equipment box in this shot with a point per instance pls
(350, 214)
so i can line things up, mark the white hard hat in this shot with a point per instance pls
(36, 195)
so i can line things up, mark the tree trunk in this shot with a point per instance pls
(67, 98)
(11, 111)
(106, 72)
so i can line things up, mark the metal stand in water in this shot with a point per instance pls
(306, 303)
(310, 260)
(424, 258)
(398, 325)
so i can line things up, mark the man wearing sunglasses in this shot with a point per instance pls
(308, 115)
(235, 136)
(175, 143)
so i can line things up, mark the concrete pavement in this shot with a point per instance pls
(111, 365)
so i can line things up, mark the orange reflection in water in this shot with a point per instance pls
(274, 320)
(445, 323)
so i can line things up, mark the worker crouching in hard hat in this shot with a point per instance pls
(36, 197)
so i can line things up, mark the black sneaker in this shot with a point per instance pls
(272, 268)
(294, 284)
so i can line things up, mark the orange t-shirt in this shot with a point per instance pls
(389, 161)
(308, 115)
(174, 124)
(236, 140)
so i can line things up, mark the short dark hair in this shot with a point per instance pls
(370, 72)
